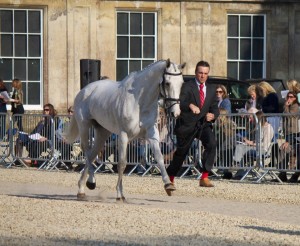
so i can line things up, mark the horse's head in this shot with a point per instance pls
(171, 86)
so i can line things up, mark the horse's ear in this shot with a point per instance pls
(181, 66)
(168, 62)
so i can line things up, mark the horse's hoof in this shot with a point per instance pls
(91, 186)
(121, 200)
(169, 188)
(80, 196)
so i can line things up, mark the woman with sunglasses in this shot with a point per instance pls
(222, 96)
(41, 136)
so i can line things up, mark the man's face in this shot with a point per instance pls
(202, 74)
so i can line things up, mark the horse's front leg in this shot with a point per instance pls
(153, 138)
(122, 147)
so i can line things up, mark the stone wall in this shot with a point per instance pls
(187, 32)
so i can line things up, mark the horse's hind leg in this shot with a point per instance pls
(101, 135)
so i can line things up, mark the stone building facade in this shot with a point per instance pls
(184, 31)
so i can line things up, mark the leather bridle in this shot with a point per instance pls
(163, 93)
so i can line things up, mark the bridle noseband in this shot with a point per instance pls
(163, 93)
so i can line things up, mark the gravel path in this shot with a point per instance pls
(40, 208)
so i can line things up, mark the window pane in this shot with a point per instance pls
(8, 86)
(20, 45)
(148, 24)
(6, 45)
(245, 49)
(257, 70)
(34, 89)
(148, 47)
(20, 21)
(20, 69)
(244, 70)
(122, 44)
(122, 69)
(34, 70)
(146, 63)
(233, 49)
(233, 24)
(6, 21)
(6, 69)
(34, 46)
(122, 24)
(134, 66)
(232, 70)
(258, 49)
(258, 26)
(135, 24)
(245, 28)
(135, 47)
(34, 22)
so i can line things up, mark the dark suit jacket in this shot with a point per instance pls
(188, 121)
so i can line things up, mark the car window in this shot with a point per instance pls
(236, 90)
(277, 85)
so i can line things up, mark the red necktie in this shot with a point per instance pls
(201, 93)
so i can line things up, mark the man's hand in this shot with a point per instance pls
(210, 117)
(194, 109)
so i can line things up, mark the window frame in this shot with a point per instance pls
(240, 38)
(27, 57)
(142, 59)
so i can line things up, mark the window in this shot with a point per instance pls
(21, 51)
(246, 46)
(136, 41)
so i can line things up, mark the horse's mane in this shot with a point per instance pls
(130, 78)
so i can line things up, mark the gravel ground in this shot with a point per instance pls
(40, 208)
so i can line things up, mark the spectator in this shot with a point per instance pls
(290, 149)
(270, 105)
(4, 98)
(256, 96)
(41, 137)
(270, 102)
(17, 102)
(224, 102)
(247, 150)
(294, 86)
(226, 135)
(61, 144)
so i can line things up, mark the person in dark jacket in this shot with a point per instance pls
(199, 109)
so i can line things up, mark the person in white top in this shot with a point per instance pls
(266, 137)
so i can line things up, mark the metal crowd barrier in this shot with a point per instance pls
(22, 146)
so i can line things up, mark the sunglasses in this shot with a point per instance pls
(219, 91)
(46, 109)
(71, 111)
(290, 97)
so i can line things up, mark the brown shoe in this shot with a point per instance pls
(205, 183)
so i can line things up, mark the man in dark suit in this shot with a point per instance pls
(199, 109)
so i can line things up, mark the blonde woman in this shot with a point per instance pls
(294, 86)
(256, 96)
(17, 102)
(270, 103)
(224, 102)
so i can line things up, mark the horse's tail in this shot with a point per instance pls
(72, 132)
